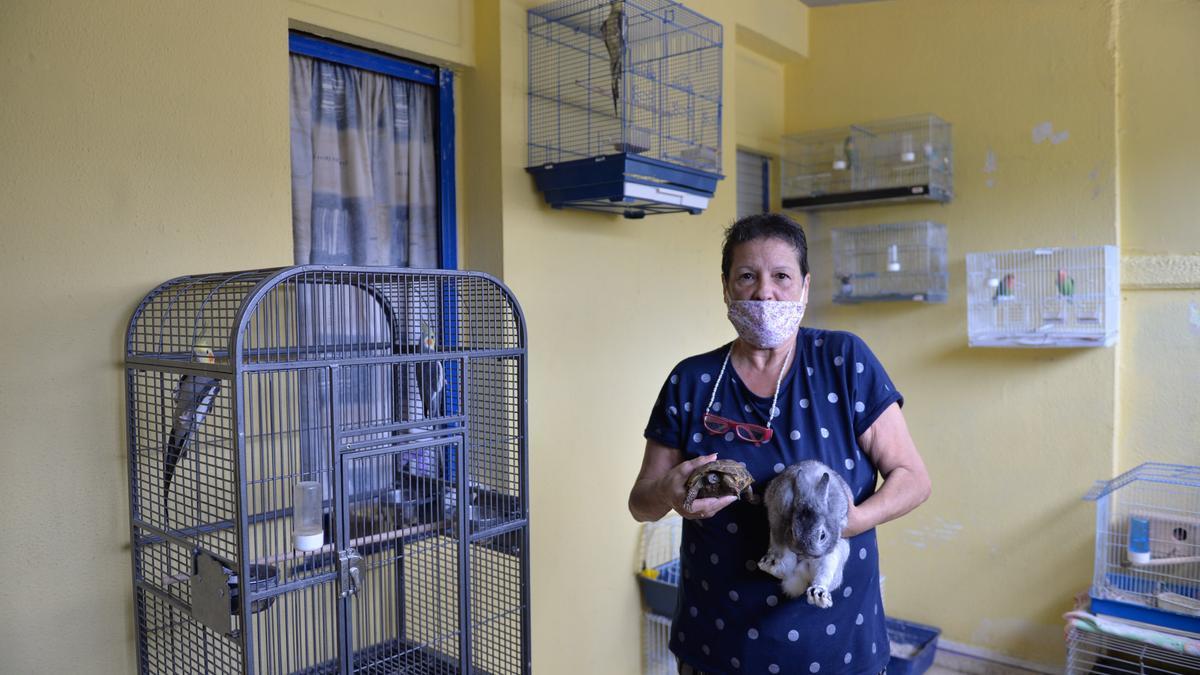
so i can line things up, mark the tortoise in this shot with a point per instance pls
(718, 479)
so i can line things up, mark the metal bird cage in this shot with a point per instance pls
(1147, 566)
(657, 658)
(392, 403)
(896, 261)
(624, 105)
(1043, 297)
(902, 159)
(1099, 647)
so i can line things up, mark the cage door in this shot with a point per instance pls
(406, 611)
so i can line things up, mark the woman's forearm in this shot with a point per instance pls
(645, 501)
(903, 490)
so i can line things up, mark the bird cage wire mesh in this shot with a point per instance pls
(657, 658)
(1147, 563)
(625, 93)
(1092, 651)
(1043, 297)
(894, 261)
(901, 159)
(399, 397)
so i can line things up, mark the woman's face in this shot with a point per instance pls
(766, 269)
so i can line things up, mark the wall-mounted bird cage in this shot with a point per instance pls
(895, 261)
(902, 159)
(328, 473)
(624, 106)
(1044, 297)
(1147, 565)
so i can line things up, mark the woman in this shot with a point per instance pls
(822, 395)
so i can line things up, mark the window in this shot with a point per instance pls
(753, 184)
(372, 158)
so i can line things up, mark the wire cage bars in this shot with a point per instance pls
(1043, 297)
(657, 658)
(894, 261)
(624, 105)
(1147, 563)
(900, 159)
(387, 404)
(1092, 651)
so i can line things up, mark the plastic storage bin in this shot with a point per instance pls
(660, 587)
(914, 646)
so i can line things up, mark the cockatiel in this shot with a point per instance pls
(613, 32)
(1004, 288)
(431, 376)
(1065, 284)
(194, 396)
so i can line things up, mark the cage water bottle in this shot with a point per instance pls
(307, 533)
(1139, 540)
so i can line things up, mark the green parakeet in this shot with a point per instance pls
(1065, 284)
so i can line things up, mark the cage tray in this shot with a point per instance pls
(661, 589)
(918, 643)
(867, 197)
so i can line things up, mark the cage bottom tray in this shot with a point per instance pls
(900, 193)
(398, 657)
(914, 647)
(661, 589)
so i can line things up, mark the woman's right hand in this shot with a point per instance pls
(672, 487)
(661, 485)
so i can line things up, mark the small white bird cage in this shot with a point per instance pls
(902, 159)
(659, 574)
(1147, 566)
(1043, 297)
(895, 261)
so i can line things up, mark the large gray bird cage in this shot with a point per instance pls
(328, 473)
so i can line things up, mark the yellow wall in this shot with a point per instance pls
(1013, 438)
(151, 141)
(140, 142)
(1159, 66)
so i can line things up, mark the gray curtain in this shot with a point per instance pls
(364, 173)
(364, 192)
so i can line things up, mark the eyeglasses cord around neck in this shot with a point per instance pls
(778, 382)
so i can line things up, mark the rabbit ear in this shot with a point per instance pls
(823, 487)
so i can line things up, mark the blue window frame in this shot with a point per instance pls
(443, 79)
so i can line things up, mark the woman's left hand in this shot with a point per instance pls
(854, 522)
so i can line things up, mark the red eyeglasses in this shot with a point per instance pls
(751, 433)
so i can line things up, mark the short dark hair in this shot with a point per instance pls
(764, 226)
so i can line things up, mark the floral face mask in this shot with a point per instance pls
(766, 323)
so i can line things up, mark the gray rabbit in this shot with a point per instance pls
(807, 506)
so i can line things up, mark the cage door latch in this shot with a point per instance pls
(350, 565)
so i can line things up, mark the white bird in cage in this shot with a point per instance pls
(614, 31)
(431, 377)
(194, 395)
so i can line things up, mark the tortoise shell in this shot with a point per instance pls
(718, 479)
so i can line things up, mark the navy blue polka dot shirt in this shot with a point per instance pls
(731, 617)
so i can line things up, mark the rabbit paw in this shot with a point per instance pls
(777, 564)
(817, 595)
